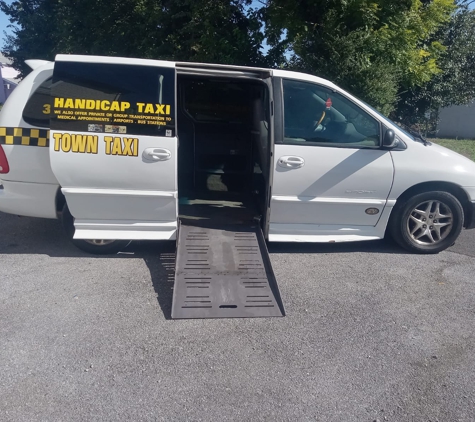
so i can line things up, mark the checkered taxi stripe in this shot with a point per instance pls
(23, 136)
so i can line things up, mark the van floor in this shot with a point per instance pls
(217, 208)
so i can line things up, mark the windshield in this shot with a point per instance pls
(389, 121)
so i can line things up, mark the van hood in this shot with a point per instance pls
(451, 155)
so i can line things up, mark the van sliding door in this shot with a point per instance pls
(113, 145)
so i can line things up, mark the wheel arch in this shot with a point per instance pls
(448, 187)
(59, 202)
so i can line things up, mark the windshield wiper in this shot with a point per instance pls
(417, 135)
(420, 137)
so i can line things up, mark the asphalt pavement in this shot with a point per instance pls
(371, 334)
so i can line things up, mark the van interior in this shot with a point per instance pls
(224, 150)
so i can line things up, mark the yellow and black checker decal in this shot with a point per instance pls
(24, 136)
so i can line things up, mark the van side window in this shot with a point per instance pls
(114, 98)
(37, 109)
(317, 115)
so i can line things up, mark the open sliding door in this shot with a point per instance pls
(113, 145)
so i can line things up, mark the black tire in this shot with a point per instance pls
(86, 246)
(405, 219)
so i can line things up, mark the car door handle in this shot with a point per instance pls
(157, 154)
(291, 162)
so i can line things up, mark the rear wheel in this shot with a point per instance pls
(427, 223)
(93, 246)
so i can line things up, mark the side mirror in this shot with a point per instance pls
(389, 140)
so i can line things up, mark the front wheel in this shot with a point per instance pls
(427, 223)
(93, 246)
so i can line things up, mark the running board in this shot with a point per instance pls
(224, 272)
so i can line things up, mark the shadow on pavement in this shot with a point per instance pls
(371, 246)
(24, 235)
(160, 260)
(36, 236)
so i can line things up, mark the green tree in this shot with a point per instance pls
(190, 30)
(373, 48)
(404, 57)
(455, 83)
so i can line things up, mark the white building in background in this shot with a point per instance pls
(9, 78)
(457, 122)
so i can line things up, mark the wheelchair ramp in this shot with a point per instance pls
(224, 272)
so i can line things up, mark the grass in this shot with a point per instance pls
(462, 146)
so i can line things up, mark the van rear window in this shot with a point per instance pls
(37, 109)
(97, 97)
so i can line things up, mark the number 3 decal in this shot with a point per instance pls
(46, 108)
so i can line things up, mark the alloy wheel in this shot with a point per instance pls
(430, 222)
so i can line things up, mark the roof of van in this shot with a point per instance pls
(211, 66)
(276, 72)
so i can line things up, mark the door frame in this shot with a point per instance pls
(238, 72)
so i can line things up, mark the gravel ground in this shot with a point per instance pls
(371, 333)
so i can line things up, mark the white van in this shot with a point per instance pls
(123, 149)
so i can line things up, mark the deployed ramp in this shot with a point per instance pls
(224, 272)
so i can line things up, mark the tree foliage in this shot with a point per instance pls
(370, 47)
(455, 83)
(207, 31)
(404, 56)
